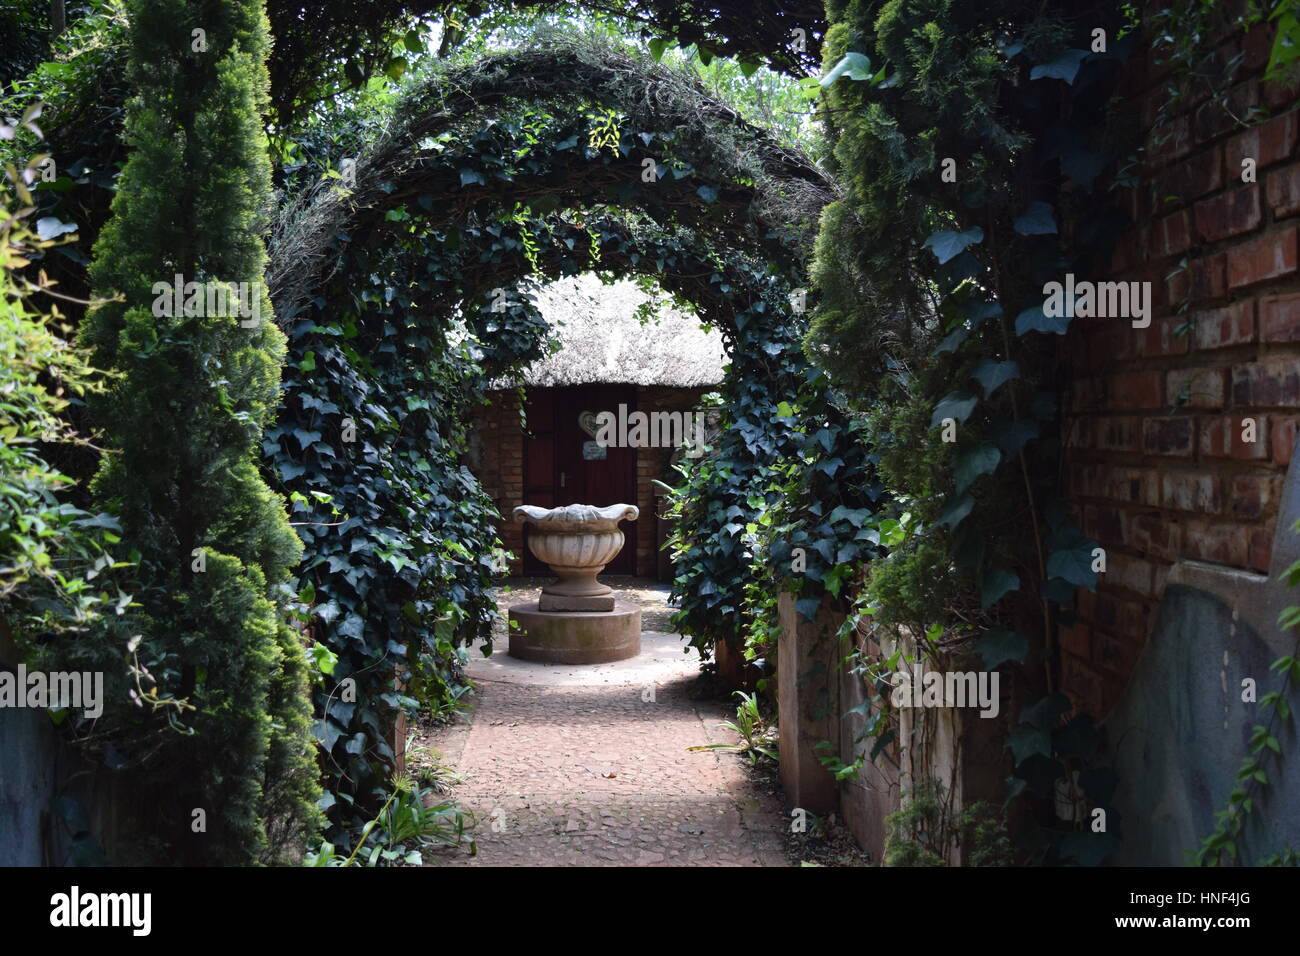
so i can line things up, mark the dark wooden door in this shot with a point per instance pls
(563, 465)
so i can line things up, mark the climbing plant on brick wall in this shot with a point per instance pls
(968, 141)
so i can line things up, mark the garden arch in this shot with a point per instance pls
(763, 196)
(377, 284)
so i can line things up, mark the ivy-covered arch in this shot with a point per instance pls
(714, 171)
(384, 288)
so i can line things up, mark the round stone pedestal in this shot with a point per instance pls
(575, 637)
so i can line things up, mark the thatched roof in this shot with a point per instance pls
(601, 340)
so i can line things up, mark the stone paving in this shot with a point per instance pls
(589, 766)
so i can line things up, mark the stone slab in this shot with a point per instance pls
(567, 602)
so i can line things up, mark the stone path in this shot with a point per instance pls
(588, 766)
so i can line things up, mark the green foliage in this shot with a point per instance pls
(926, 831)
(757, 734)
(342, 46)
(53, 551)
(963, 135)
(413, 819)
(60, 579)
(1282, 57)
(182, 417)
(82, 88)
(725, 496)
(424, 310)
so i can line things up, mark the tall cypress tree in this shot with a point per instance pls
(183, 420)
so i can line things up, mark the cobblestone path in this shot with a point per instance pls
(590, 766)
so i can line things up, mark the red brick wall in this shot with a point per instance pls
(1155, 461)
(496, 457)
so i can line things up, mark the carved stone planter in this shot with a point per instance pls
(576, 620)
(576, 541)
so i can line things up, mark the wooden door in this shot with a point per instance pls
(563, 465)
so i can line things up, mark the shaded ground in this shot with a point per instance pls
(589, 765)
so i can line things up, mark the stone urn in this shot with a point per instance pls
(576, 541)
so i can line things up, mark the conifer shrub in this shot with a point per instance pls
(182, 419)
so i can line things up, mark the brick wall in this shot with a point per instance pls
(1158, 463)
(496, 457)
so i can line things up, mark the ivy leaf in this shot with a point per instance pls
(965, 266)
(1083, 166)
(1026, 742)
(1087, 848)
(956, 405)
(948, 244)
(996, 585)
(1064, 67)
(854, 515)
(1015, 787)
(1010, 435)
(974, 462)
(747, 68)
(707, 193)
(1000, 645)
(991, 374)
(855, 66)
(1099, 784)
(953, 339)
(1074, 565)
(808, 607)
(657, 47)
(977, 310)
(306, 438)
(1034, 319)
(956, 511)
(1037, 220)
(1043, 405)
(1046, 712)
(327, 733)
(468, 176)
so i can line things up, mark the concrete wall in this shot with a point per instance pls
(821, 699)
(816, 695)
(1180, 730)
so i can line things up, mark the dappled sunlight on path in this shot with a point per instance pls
(588, 765)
